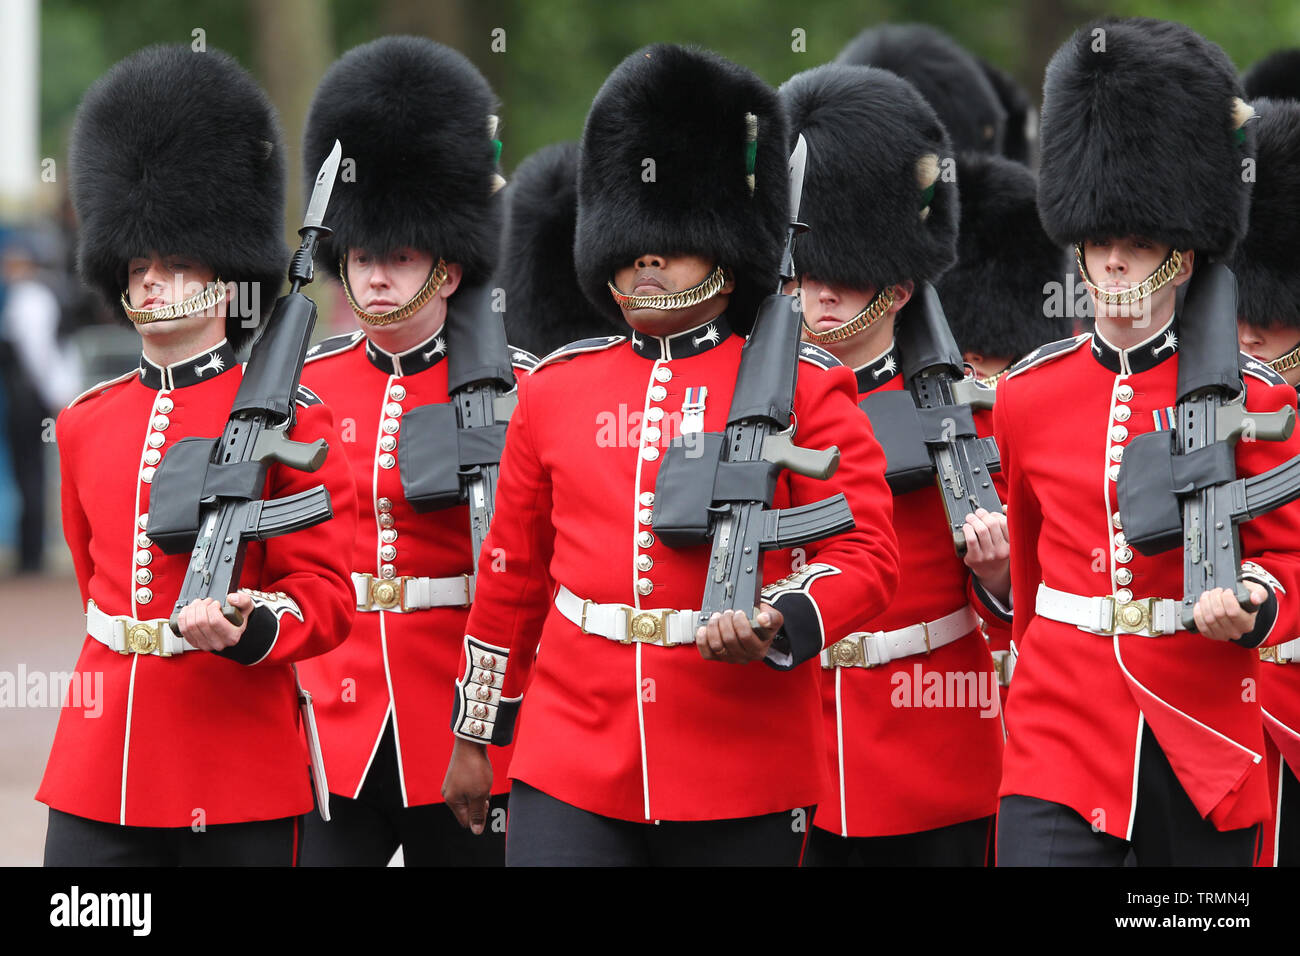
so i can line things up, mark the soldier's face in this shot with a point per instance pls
(1116, 265)
(659, 274)
(383, 283)
(827, 307)
(1268, 344)
(156, 280)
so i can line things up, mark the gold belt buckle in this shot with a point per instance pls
(848, 653)
(145, 637)
(646, 627)
(1270, 654)
(1132, 617)
(387, 593)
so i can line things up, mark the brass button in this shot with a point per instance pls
(646, 498)
(386, 460)
(487, 677)
(386, 519)
(387, 553)
(658, 393)
(1122, 413)
(644, 562)
(385, 504)
(1123, 576)
(143, 557)
(1123, 556)
(387, 443)
(483, 693)
(1124, 393)
(1113, 472)
(1119, 539)
(387, 571)
(388, 535)
(143, 521)
(146, 474)
(397, 392)
(143, 595)
(142, 540)
(663, 374)
(644, 586)
(650, 453)
(644, 539)
(1123, 595)
(164, 405)
(1118, 433)
(393, 409)
(143, 575)
(479, 710)
(1116, 452)
(160, 422)
(654, 414)
(488, 661)
(155, 439)
(390, 426)
(152, 456)
(645, 515)
(650, 434)
(477, 728)
(1116, 521)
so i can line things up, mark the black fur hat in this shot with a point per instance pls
(665, 167)
(545, 306)
(994, 297)
(949, 77)
(1268, 280)
(1022, 120)
(180, 152)
(1142, 135)
(1276, 77)
(414, 118)
(875, 152)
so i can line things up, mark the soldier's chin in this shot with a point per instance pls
(655, 321)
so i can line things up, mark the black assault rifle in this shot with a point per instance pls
(207, 492)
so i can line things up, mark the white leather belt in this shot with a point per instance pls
(400, 595)
(874, 648)
(1285, 653)
(1150, 617)
(126, 635)
(627, 625)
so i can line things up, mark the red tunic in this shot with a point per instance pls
(193, 737)
(398, 663)
(1079, 700)
(917, 743)
(645, 732)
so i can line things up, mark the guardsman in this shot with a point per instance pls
(545, 307)
(1268, 306)
(184, 749)
(420, 222)
(913, 777)
(683, 210)
(1127, 733)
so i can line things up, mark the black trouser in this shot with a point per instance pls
(25, 427)
(969, 843)
(1167, 829)
(548, 832)
(76, 841)
(368, 830)
(1288, 833)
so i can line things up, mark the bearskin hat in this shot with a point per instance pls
(1276, 77)
(1022, 122)
(1142, 134)
(879, 208)
(684, 152)
(1268, 281)
(949, 78)
(994, 296)
(545, 306)
(180, 152)
(417, 120)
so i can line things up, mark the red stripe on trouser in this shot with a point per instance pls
(295, 841)
(803, 847)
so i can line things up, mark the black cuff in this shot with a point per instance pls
(800, 638)
(1264, 619)
(258, 638)
(999, 610)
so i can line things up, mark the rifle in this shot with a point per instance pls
(1181, 486)
(723, 488)
(229, 472)
(928, 432)
(481, 383)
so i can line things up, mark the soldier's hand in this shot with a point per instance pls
(205, 627)
(988, 552)
(730, 637)
(1221, 618)
(468, 784)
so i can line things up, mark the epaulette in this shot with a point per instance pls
(1253, 366)
(597, 344)
(524, 359)
(103, 386)
(817, 355)
(333, 345)
(1048, 353)
(306, 397)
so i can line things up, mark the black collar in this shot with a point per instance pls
(879, 370)
(1142, 357)
(425, 355)
(197, 368)
(683, 344)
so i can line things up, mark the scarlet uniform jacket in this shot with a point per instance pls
(394, 662)
(1079, 700)
(195, 736)
(915, 744)
(646, 732)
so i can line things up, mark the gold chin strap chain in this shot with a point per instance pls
(865, 319)
(430, 288)
(1285, 363)
(669, 301)
(991, 381)
(1156, 280)
(198, 302)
